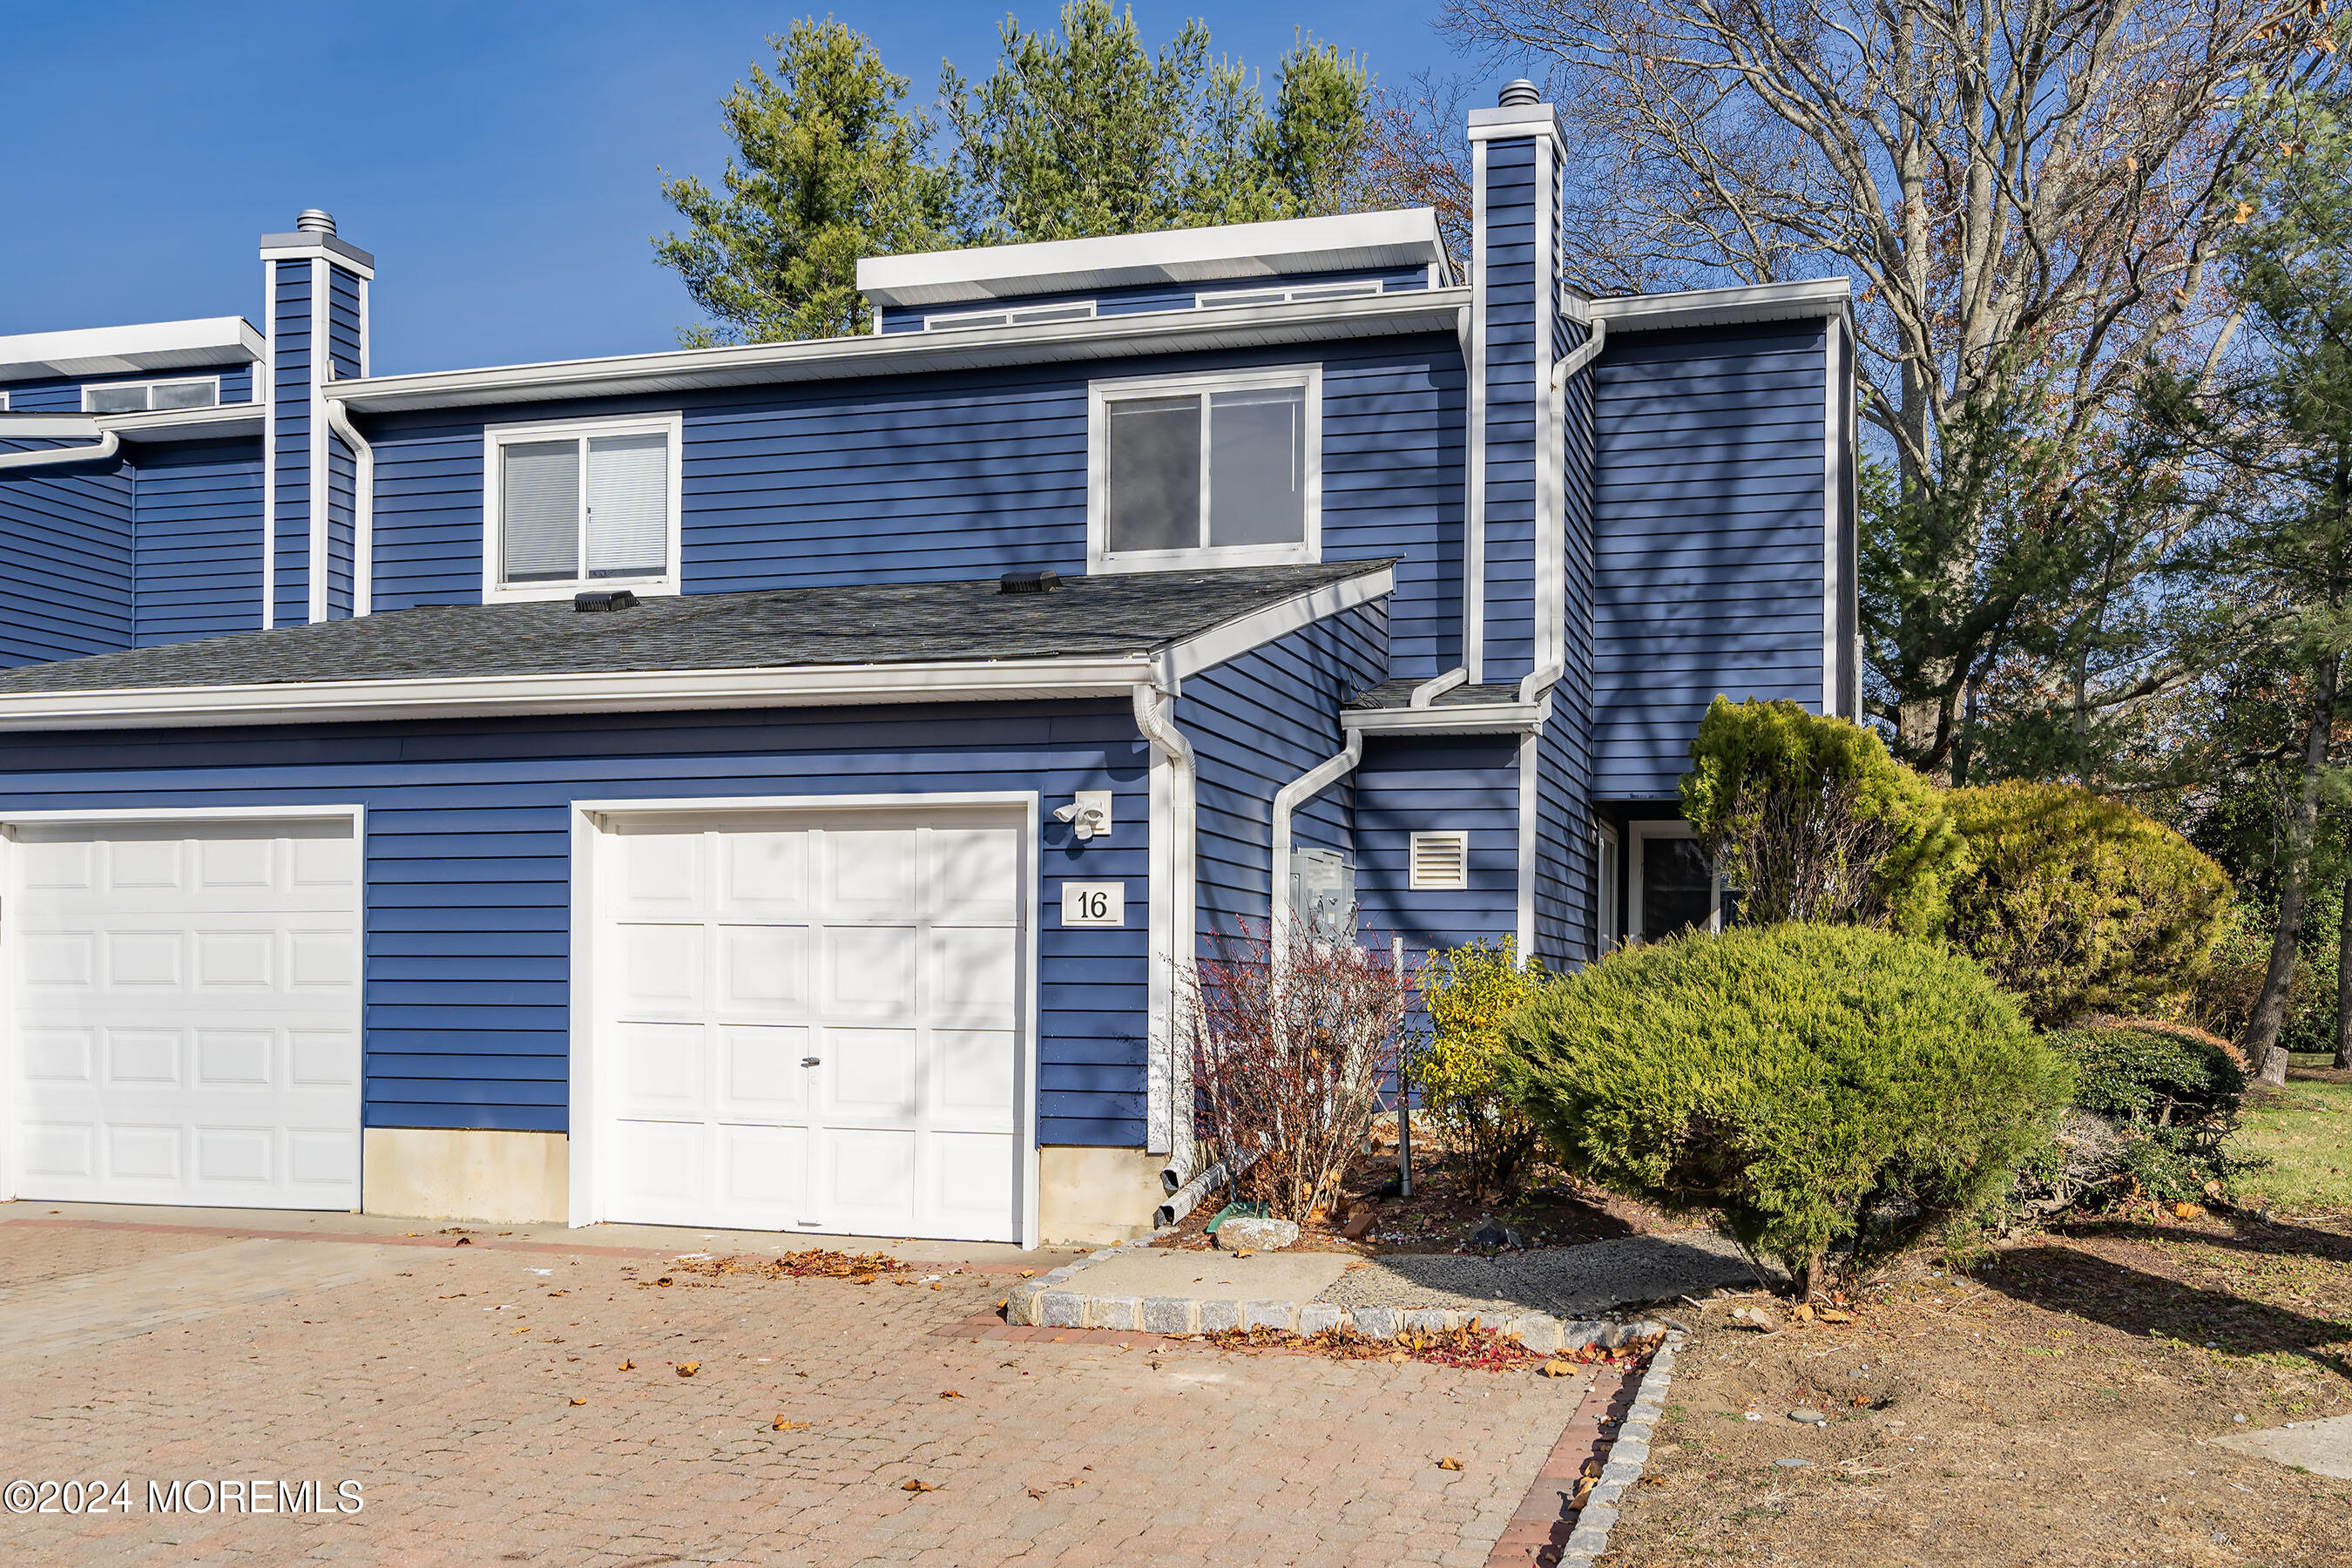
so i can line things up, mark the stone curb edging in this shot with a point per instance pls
(1628, 1456)
(1046, 1302)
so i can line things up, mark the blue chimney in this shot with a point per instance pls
(316, 312)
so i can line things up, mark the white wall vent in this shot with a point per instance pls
(1440, 861)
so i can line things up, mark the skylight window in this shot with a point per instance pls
(1235, 299)
(1020, 316)
(148, 396)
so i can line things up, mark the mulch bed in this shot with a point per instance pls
(1467, 1348)
(816, 1263)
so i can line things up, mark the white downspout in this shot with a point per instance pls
(1155, 709)
(1287, 801)
(338, 420)
(1429, 691)
(1540, 680)
(106, 445)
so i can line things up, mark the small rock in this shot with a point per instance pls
(1357, 1224)
(2239, 1420)
(1493, 1235)
(1243, 1234)
(1793, 1464)
(1809, 1415)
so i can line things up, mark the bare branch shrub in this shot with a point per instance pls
(1288, 1061)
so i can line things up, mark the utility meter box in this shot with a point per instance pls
(1323, 892)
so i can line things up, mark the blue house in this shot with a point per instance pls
(784, 786)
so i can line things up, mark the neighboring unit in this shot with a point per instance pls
(785, 786)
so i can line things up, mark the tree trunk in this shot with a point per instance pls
(2260, 1042)
(2344, 982)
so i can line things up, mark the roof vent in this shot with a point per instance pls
(604, 599)
(312, 221)
(1519, 94)
(1043, 582)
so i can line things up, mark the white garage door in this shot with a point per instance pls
(813, 1022)
(185, 1011)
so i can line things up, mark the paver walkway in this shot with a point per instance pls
(442, 1380)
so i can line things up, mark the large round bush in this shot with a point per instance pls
(2078, 903)
(1795, 1078)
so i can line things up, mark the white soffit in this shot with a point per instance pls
(1725, 307)
(1403, 238)
(118, 351)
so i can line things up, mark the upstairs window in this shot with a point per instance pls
(581, 504)
(145, 396)
(1210, 470)
(1018, 316)
(1232, 298)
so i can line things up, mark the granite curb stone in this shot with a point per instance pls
(1628, 1457)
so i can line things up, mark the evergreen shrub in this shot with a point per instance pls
(2078, 905)
(1798, 1079)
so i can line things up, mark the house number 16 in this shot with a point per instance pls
(1094, 903)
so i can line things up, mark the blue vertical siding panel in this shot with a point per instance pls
(924, 478)
(1412, 785)
(196, 525)
(291, 592)
(65, 559)
(1513, 293)
(1256, 723)
(467, 914)
(1139, 298)
(1708, 494)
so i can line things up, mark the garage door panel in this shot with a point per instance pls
(868, 1074)
(662, 1164)
(763, 874)
(972, 1177)
(869, 1171)
(661, 873)
(762, 1072)
(975, 1072)
(663, 1069)
(869, 874)
(975, 873)
(763, 1172)
(763, 972)
(662, 968)
(187, 1015)
(973, 973)
(869, 971)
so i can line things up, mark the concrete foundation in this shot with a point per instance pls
(1088, 1196)
(433, 1172)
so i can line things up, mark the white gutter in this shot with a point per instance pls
(1176, 912)
(107, 445)
(1287, 801)
(1542, 679)
(477, 696)
(338, 420)
(1429, 691)
(1460, 718)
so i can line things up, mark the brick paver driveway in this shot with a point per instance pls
(476, 1396)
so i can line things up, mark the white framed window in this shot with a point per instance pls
(1205, 470)
(1013, 316)
(145, 396)
(1607, 865)
(1438, 862)
(581, 503)
(4, 400)
(1671, 885)
(1233, 299)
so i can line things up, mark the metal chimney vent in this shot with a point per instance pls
(1032, 582)
(313, 221)
(1519, 94)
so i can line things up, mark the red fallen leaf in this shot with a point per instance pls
(919, 1487)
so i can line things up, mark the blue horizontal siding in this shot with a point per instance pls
(1408, 786)
(1708, 492)
(1513, 292)
(1138, 298)
(468, 898)
(291, 587)
(1256, 723)
(196, 517)
(55, 395)
(65, 559)
(921, 478)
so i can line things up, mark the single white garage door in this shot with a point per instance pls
(813, 1022)
(186, 1008)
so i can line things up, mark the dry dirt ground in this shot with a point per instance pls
(2057, 1403)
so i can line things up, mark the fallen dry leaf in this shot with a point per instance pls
(919, 1487)
(628, 1366)
(462, 1241)
(1831, 1315)
(662, 1280)
(950, 1393)
(1556, 1368)
(578, 1402)
(1034, 1492)
(689, 1368)
(780, 1424)
(1803, 1311)
(1449, 1463)
(1026, 1272)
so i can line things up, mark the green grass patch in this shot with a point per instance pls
(2303, 1137)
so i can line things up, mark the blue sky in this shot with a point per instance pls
(500, 159)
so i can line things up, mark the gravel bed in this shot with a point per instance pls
(1566, 1282)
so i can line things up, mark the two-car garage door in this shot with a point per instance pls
(813, 1021)
(183, 1012)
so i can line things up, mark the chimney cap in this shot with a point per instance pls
(311, 220)
(1517, 93)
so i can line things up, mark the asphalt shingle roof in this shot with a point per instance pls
(911, 622)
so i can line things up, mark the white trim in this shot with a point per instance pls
(113, 350)
(1723, 307)
(1160, 1043)
(338, 420)
(1473, 431)
(671, 425)
(150, 388)
(1832, 482)
(1175, 927)
(1548, 417)
(1608, 872)
(367, 281)
(1453, 718)
(588, 838)
(1100, 394)
(310, 246)
(267, 394)
(1405, 237)
(218, 422)
(48, 427)
(321, 477)
(1414, 880)
(1257, 629)
(488, 696)
(1010, 316)
(1502, 124)
(1530, 765)
(10, 901)
(1119, 337)
(1641, 833)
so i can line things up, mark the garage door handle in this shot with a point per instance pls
(811, 1061)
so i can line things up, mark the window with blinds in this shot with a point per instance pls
(575, 508)
(1438, 861)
